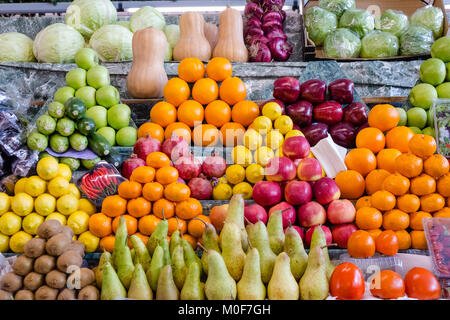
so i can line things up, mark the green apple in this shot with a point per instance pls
(63, 94)
(429, 131)
(417, 117)
(447, 67)
(97, 77)
(107, 96)
(126, 137)
(432, 71)
(86, 58)
(109, 134)
(441, 49)
(119, 116)
(87, 94)
(423, 95)
(76, 78)
(443, 90)
(403, 117)
(99, 114)
(430, 117)
(416, 130)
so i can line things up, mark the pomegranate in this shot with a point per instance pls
(130, 164)
(175, 147)
(188, 167)
(146, 145)
(201, 188)
(266, 193)
(214, 166)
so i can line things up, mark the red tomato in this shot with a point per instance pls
(387, 284)
(347, 282)
(387, 243)
(422, 284)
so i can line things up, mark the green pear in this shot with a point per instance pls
(293, 246)
(179, 266)
(139, 287)
(276, 232)
(189, 254)
(318, 239)
(210, 242)
(282, 285)
(105, 257)
(232, 252)
(251, 287)
(123, 260)
(165, 245)
(155, 267)
(235, 214)
(159, 234)
(142, 254)
(314, 282)
(219, 284)
(175, 239)
(112, 288)
(193, 289)
(166, 290)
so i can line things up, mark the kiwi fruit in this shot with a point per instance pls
(46, 293)
(5, 295)
(49, 228)
(67, 294)
(23, 265)
(56, 279)
(81, 278)
(68, 231)
(44, 264)
(11, 282)
(34, 248)
(67, 259)
(33, 280)
(89, 293)
(57, 244)
(24, 295)
(77, 246)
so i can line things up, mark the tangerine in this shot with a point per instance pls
(188, 209)
(179, 129)
(387, 243)
(386, 159)
(436, 166)
(143, 174)
(163, 209)
(404, 239)
(205, 135)
(196, 227)
(374, 233)
(157, 160)
(191, 69)
(395, 220)
(176, 91)
(396, 184)
(432, 202)
(244, 112)
(375, 179)
(363, 202)
(398, 138)
(163, 113)
(148, 224)
(166, 175)
(443, 213)
(132, 224)
(383, 200)
(418, 240)
(443, 185)
(177, 192)
(362, 160)
(205, 90)
(191, 240)
(153, 191)
(219, 69)
(231, 134)
(232, 90)
(423, 185)
(100, 225)
(107, 243)
(139, 207)
(129, 189)
(409, 165)
(415, 219)
(361, 245)
(217, 113)
(408, 203)
(383, 117)
(153, 130)
(176, 224)
(368, 218)
(351, 184)
(370, 138)
(114, 206)
(191, 113)
(422, 145)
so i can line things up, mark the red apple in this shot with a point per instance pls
(266, 193)
(315, 132)
(356, 113)
(288, 213)
(313, 90)
(341, 211)
(280, 169)
(342, 232)
(329, 112)
(301, 113)
(296, 147)
(326, 190)
(287, 89)
(325, 229)
(311, 214)
(255, 213)
(341, 90)
(298, 192)
(309, 169)
(299, 230)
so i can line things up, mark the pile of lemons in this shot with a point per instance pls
(47, 195)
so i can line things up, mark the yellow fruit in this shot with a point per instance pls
(243, 188)
(222, 191)
(18, 240)
(10, 223)
(252, 139)
(47, 168)
(4, 243)
(89, 240)
(20, 185)
(293, 133)
(279, 153)
(274, 140)
(64, 171)
(35, 186)
(235, 173)
(31, 222)
(57, 216)
(262, 124)
(22, 204)
(45, 204)
(254, 173)
(67, 204)
(58, 187)
(242, 156)
(5, 203)
(86, 206)
(284, 124)
(272, 110)
(263, 155)
(78, 222)
(73, 189)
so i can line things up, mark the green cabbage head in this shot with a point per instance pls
(358, 20)
(337, 6)
(319, 23)
(147, 17)
(379, 44)
(394, 22)
(430, 17)
(113, 43)
(416, 40)
(172, 32)
(342, 43)
(16, 47)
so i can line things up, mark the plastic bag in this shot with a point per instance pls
(395, 22)
(337, 6)
(441, 109)
(358, 20)
(416, 40)
(437, 233)
(342, 43)
(430, 17)
(379, 44)
(319, 23)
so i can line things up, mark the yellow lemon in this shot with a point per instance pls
(22, 204)
(64, 171)
(272, 110)
(252, 139)
(262, 124)
(10, 223)
(45, 204)
(67, 204)
(222, 191)
(18, 240)
(5, 203)
(242, 156)
(243, 188)
(73, 189)
(57, 216)
(31, 222)
(263, 155)
(20, 185)
(293, 133)
(78, 222)
(90, 241)
(35, 186)
(86, 206)
(274, 139)
(254, 173)
(58, 187)
(47, 168)
(284, 124)
(4, 243)
(235, 173)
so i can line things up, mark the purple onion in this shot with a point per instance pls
(253, 10)
(281, 50)
(272, 15)
(256, 39)
(283, 15)
(276, 33)
(254, 23)
(270, 25)
(272, 5)
(259, 52)
(252, 32)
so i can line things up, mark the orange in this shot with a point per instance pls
(179, 129)
(129, 189)
(396, 184)
(395, 220)
(148, 224)
(408, 203)
(166, 175)
(383, 117)
(383, 200)
(191, 113)
(143, 174)
(386, 159)
(144, 238)
(205, 135)
(361, 244)
(219, 69)
(107, 243)
(163, 113)
(244, 112)
(351, 184)
(371, 138)
(443, 185)
(139, 207)
(231, 134)
(152, 130)
(188, 209)
(191, 69)
(361, 159)
(387, 243)
(132, 224)
(177, 192)
(436, 166)
(232, 90)
(157, 160)
(418, 240)
(176, 91)
(363, 202)
(375, 179)
(398, 138)
(409, 165)
(432, 202)
(374, 233)
(100, 225)
(404, 239)
(196, 227)
(205, 90)
(191, 240)
(415, 219)
(443, 213)
(217, 113)
(114, 206)
(163, 208)
(423, 185)
(174, 224)
(152, 191)
(422, 145)
(368, 218)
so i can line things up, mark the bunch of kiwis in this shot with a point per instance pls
(50, 268)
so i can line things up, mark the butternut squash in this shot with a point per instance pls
(192, 43)
(147, 76)
(211, 34)
(231, 44)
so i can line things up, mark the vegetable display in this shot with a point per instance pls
(112, 43)
(319, 23)
(379, 44)
(17, 47)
